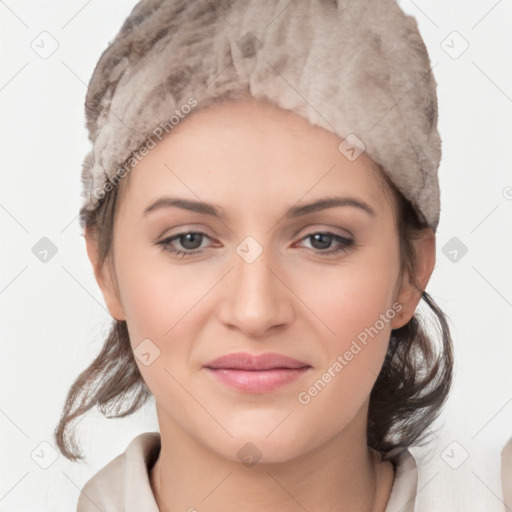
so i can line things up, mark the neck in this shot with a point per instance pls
(340, 476)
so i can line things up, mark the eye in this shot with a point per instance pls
(323, 239)
(190, 241)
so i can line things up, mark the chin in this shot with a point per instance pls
(256, 443)
(252, 449)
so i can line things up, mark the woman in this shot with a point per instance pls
(260, 208)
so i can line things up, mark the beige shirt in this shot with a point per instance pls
(123, 484)
(506, 474)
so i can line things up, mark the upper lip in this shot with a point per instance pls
(246, 361)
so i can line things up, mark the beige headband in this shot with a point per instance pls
(359, 69)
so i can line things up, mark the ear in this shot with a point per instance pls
(409, 296)
(104, 278)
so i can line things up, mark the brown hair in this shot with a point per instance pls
(406, 398)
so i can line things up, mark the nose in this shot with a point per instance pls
(255, 299)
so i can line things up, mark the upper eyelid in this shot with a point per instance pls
(187, 229)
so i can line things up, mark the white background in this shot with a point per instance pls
(53, 318)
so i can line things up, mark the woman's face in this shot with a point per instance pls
(270, 274)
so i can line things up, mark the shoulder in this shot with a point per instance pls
(123, 483)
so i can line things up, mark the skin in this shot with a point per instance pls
(255, 161)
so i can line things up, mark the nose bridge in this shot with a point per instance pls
(255, 299)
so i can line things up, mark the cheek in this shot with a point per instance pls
(355, 305)
(159, 306)
(163, 302)
(155, 294)
(351, 298)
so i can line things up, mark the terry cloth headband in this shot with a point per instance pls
(359, 69)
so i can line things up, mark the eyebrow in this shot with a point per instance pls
(294, 212)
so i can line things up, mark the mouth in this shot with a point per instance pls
(256, 373)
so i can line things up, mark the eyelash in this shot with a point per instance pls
(166, 244)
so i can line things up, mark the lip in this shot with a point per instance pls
(260, 373)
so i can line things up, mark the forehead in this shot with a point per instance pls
(250, 143)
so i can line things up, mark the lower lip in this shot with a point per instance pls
(257, 381)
